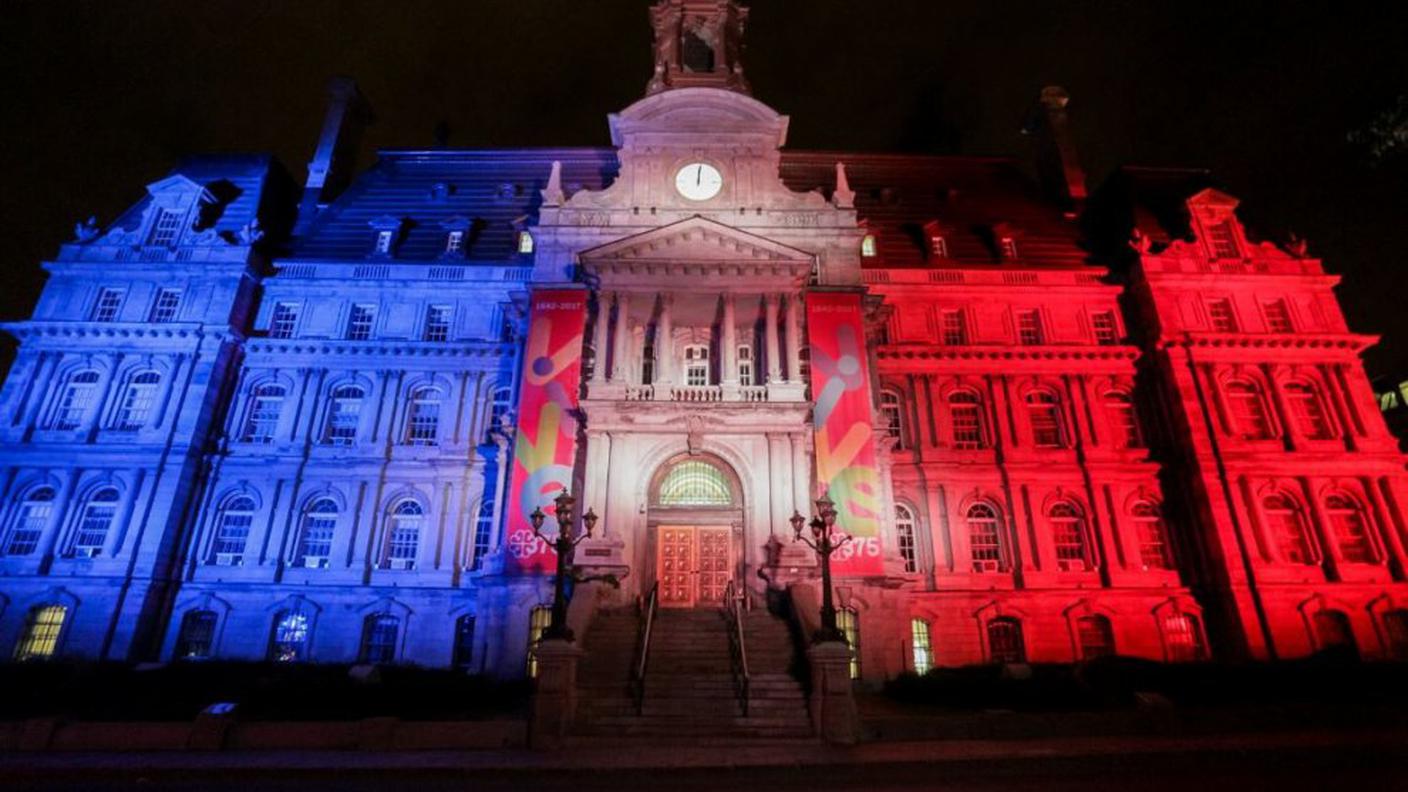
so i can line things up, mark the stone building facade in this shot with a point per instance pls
(248, 423)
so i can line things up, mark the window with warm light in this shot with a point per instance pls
(848, 622)
(1289, 528)
(538, 621)
(923, 650)
(525, 242)
(42, 629)
(868, 246)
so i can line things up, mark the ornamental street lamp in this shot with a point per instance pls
(824, 541)
(563, 545)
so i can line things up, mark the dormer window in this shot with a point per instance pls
(387, 230)
(454, 243)
(1222, 240)
(383, 242)
(525, 242)
(1008, 246)
(938, 247)
(165, 227)
(867, 246)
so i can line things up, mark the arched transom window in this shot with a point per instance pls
(695, 482)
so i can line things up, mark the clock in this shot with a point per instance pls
(699, 181)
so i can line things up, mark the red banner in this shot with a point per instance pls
(845, 446)
(546, 442)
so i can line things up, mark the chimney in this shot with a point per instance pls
(1057, 165)
(335, 161)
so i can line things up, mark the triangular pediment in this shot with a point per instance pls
(178, 185)
(1212, 198)
(696, 239)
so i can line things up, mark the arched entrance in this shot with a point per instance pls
(695, 528)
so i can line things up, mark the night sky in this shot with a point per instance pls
(103, 97)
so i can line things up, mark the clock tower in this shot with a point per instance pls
(698, 43)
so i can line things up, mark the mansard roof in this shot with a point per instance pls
(975, 200)
(237, 183)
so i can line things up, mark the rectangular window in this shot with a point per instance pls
(165, 228)
(1221, 316)
(745, 365)
(437, 323)
(383, 242)
(284, 320)
(165, 305)
(360, 321)
(538, 622)
(1278, 317)
(41, 633)
(923, 654)
(108, 305)
(1103, 324)
(1009, 248)
(955, 328)
(1029, 328)
(454, 242)
(848, 622)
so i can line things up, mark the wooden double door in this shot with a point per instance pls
(693, 564)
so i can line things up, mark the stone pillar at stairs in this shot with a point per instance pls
(833, 701)
(555, 697)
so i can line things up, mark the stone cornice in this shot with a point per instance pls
(115, 330)
(1354, 342)
(388, 348)
(995, 353)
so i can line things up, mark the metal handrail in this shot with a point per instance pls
(735, 597)
(648, 609)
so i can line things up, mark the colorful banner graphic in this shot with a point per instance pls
(845, 447)
(546, 443)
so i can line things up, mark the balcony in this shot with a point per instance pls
(698, 394)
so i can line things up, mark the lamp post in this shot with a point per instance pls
(563, 545)
(824, 541)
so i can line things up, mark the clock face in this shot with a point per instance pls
(699, 181)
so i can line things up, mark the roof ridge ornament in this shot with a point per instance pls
(843, 197)
(698, 44)
(552, 194)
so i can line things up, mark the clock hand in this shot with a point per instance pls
(698, 174)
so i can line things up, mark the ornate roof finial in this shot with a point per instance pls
(698, 44)
(552, 194)
(844, 197)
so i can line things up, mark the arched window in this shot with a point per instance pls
(1332, 630)
(1183, 638)
(196, 640)
(316, 532)
(538, 621)
(984, 538)
(464, 641)
(868, 248)
(1068, 535)
(95, 522)
(1124, 423)
(1248, 408)
(965, 410)
(1307, 409)
(1096, 637)
(905, 537)
(43, 627)
(262, 422)
(1152, 533)
(1286, 523)
(75, 400)
(525, 242)
(499, 405)
(403, 534)
(483, 526)
(1396, 633)
(1350, 529)
(923, 650)
(138, 398)
(232, 530)
(289, 642)
(379, 638)
(892, 408)
(344, 413)
(1005, 643)
(1044, 413)
(30, 521)
(848, 622)
(423, 417)
(695, 482)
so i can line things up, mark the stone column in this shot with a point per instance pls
(623, 334)
(770, 312)
(555, 697)
(665, 342)
(794, 339)
(833, 703)
(599, 337)
(728, 345)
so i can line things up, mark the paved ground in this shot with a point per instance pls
(1300, 761)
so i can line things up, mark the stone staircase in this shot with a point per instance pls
(689, 685)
